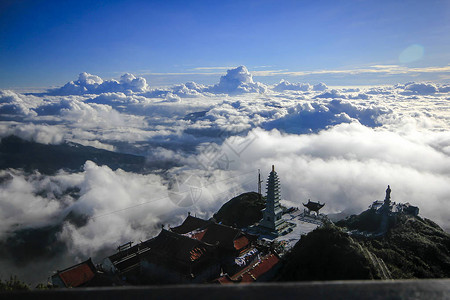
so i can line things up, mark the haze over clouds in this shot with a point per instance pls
(341, 146)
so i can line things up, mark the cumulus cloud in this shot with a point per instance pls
(315, 116)
(380, 91)
(13, 105)
(189, 89)
(320, 87)
(421, 88)
(93, 84)
(238, 80)
(332, 94)
(285, 85)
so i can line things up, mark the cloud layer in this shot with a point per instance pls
(93, 84)
(340, 146)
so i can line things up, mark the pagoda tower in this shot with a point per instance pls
(272, 219)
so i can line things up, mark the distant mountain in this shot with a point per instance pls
(47, 159)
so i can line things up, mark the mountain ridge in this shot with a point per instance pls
(48, 159)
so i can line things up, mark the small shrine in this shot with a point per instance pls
(313, 206)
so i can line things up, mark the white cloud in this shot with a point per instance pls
(340, 146)
(349, 166)
(421, 88)
(238, 80)
(286, 85)
(20, 206)
(320, 87)
(93, 84)
(41, 133)
(12, 105)
(332, 94)
(375, 69)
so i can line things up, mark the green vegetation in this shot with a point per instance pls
(241, 211)
(13, 284)
(413, 248)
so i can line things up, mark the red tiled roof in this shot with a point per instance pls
(241, 242)
(221, 234)
(254, 271)
(199, 235)
(78, 275)
(177, 247)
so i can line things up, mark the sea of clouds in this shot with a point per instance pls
(341, 146)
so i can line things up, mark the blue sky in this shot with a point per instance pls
(47, 43)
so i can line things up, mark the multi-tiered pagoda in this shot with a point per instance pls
(272, 220)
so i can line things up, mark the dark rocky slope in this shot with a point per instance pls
(241, 211)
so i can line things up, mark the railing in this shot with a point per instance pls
(370, 290)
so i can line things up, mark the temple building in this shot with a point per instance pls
(77, 275)
(392, 208)
(196, 251)
(272, 221)
(313, 206)
(84, 274)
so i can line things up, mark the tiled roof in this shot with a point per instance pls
(176, 251)
(241, 242)
(314, 206)
(178, 247)
(221, 234)
(212, 233)
(254, 271)
(191, 223)
(199, 235)
(261, 268)
(78, 274)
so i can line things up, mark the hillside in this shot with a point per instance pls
(328, 253)
(241, 211)
(412, 248)
(47, 159)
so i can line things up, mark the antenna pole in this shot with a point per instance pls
(259, 183)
